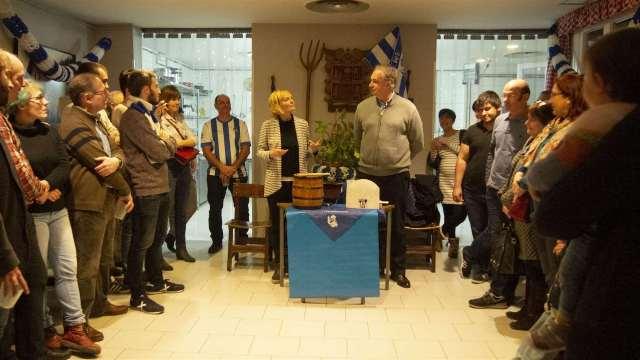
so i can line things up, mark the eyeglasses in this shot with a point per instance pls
(40, 98)
(101, 92)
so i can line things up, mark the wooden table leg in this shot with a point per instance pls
(387, 268)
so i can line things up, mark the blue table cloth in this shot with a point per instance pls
(333, 252)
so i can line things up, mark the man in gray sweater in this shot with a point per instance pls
(389, 131)
(147, 150)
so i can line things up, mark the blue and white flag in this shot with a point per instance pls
(388, 51)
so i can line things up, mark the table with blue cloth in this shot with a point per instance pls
(333, 252)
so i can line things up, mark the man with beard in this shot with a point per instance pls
(147, 149)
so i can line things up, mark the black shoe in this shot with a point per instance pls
(479, 277)
(524, 323)
(489, 301)
(453, 247)
(118, 286)
(144, 304)
(517, 315)
(465, 265)
(166, 287)
(215, 247)
(401, 280)
(182, 254)
(275, 278)
(171, 242)
(166, 266)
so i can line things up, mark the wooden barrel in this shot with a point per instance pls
(308, 191)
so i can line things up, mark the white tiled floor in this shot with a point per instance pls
(241, 315)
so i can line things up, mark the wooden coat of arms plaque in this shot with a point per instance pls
(347, 81)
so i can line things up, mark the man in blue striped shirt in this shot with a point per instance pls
(225, 143)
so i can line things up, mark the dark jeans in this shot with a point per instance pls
(150, 216)
(475, 201)
(180, 178)
(453, 216)
(394, 189)
(573, 272)
(27, 327)
(281, 196)
(215, 196)
(93, 234)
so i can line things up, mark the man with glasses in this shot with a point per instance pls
(96, 181)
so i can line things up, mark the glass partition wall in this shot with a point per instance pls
(470, 62)
(202, 64)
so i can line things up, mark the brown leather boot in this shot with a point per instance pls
(93, 334)
(112, 309)
(76, 339)
(53, 344)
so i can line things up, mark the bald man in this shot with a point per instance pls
(508, 137)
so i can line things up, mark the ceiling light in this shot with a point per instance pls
(481, 60)
(337, 6)
(513, 46)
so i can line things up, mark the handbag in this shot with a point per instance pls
(521, 208)
(185, 154)
(191, 205)
(504, 250)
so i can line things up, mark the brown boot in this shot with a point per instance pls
(76, 339)
(112, 309)
(53, 344)
(93, 334)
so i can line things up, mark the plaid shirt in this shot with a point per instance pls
(29, 183)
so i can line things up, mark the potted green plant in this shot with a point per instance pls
(338, 154)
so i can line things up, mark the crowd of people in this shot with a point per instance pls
(101, 192)
(558, 176)
(93, 196)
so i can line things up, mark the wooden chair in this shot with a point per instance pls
(252, 244)
(428, 248)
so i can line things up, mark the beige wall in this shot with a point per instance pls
(275, 52)
(125, 47)
(55, 30)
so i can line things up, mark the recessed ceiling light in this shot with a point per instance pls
(337, 6)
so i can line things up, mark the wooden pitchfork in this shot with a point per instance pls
(310, 64)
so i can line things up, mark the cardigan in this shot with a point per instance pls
(78, 129)
(48, 157)
(270, 139)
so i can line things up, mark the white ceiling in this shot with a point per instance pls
(467, 14)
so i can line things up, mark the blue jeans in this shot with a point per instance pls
(480, 248)
(55, 240)
(572, 272)
(150, 217)
(476, 203)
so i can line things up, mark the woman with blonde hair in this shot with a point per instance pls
(284, 144)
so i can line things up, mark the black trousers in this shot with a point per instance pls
(454, 215)
(215, 196)
(26, 330)
(150, 217)
(394, 189)
(282, 195)
(181, 177)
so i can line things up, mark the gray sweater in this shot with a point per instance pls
(388, 138)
